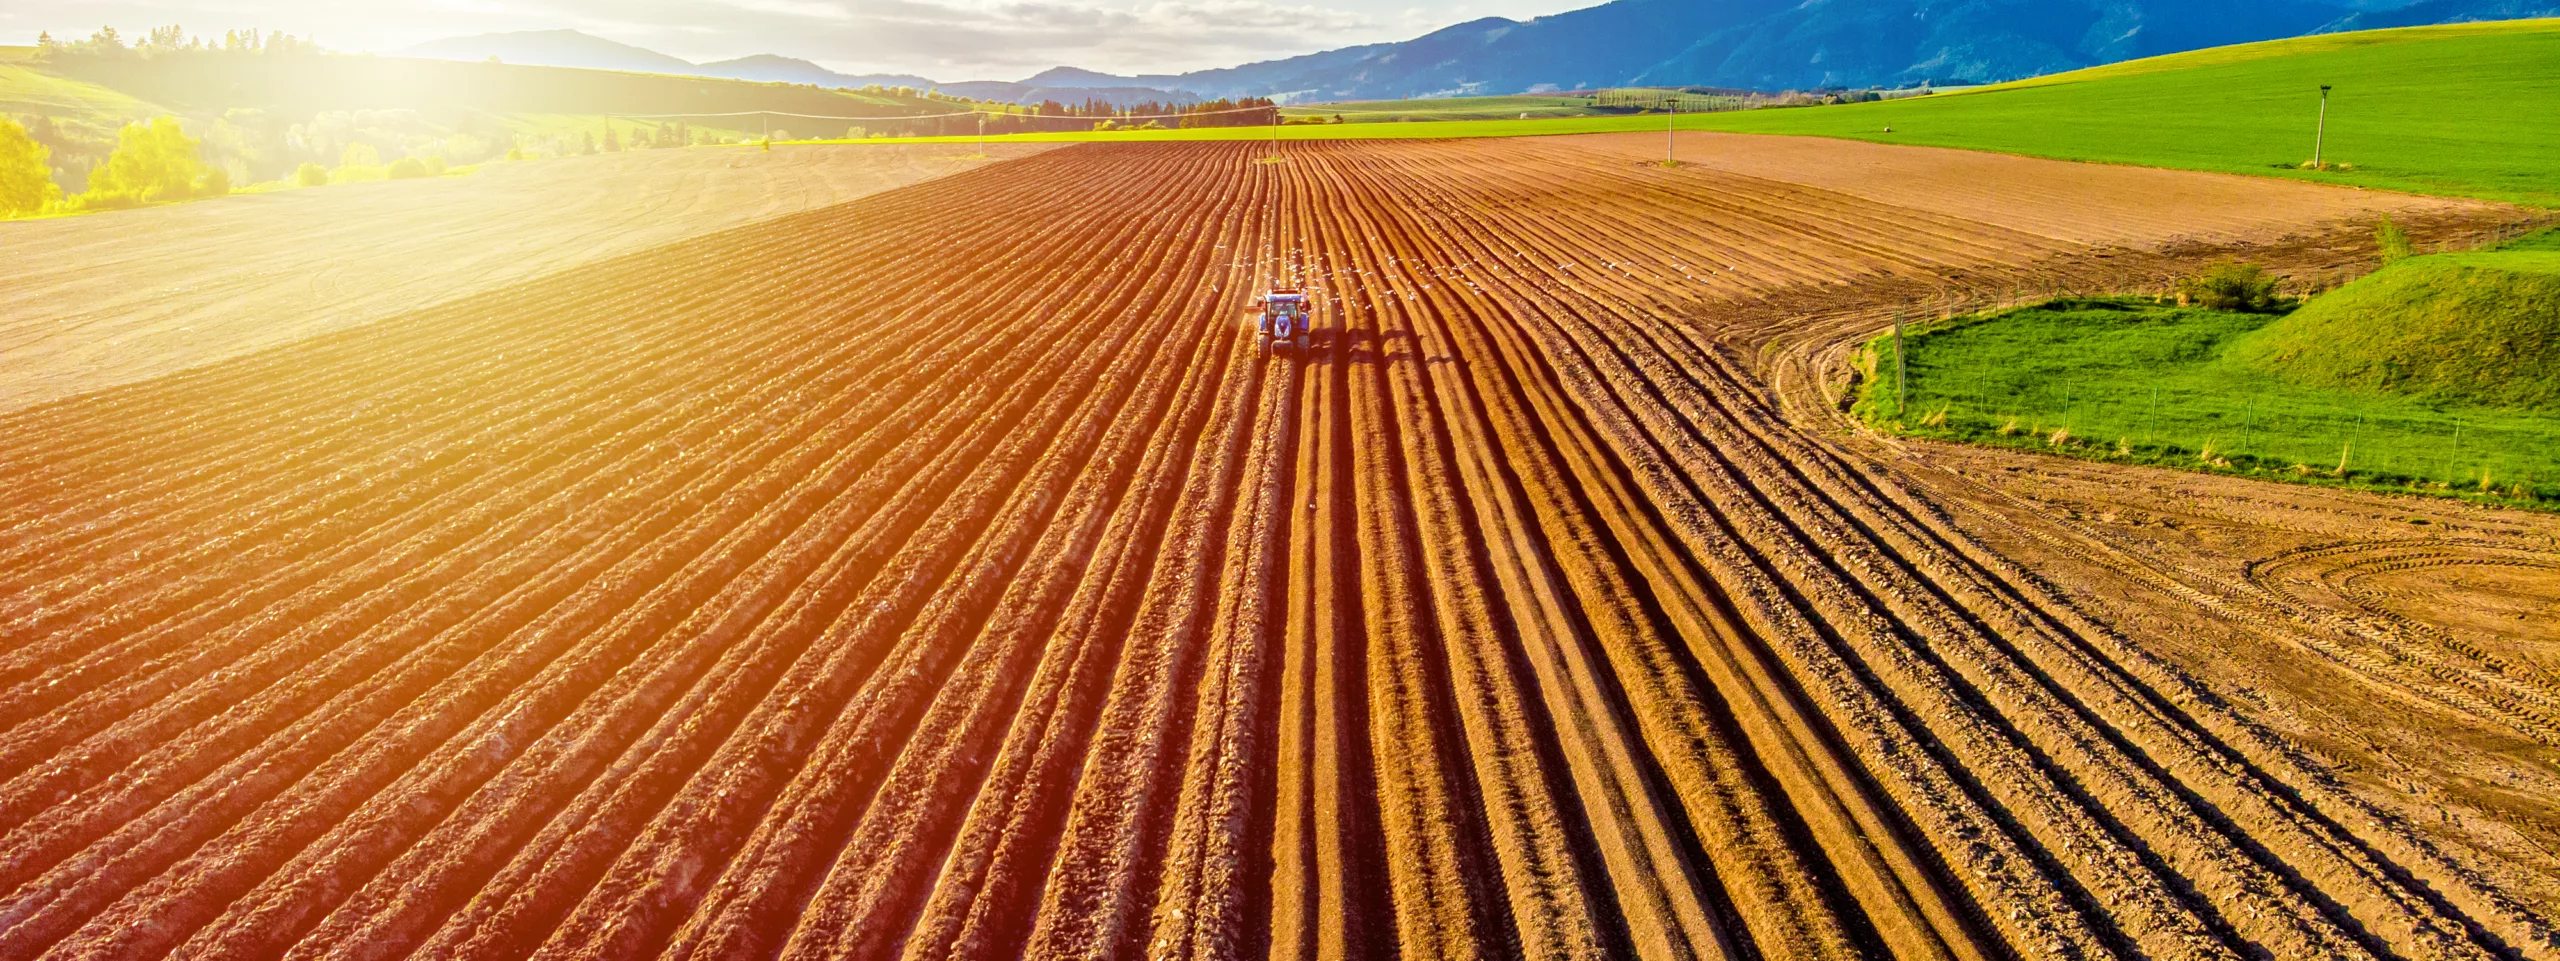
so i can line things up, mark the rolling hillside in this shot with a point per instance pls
(2464, 110)
(213, 83)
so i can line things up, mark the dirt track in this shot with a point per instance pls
(108, 299)
(993, 594)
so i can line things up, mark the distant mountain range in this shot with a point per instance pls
(569, 48)
(1752, 44)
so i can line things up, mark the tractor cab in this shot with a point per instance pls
(1285, 313)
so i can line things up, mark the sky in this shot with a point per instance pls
(945, 40)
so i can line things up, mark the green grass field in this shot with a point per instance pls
(2130, 380)
(2466, 110)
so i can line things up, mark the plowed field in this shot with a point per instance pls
(949, 574)
(94, 301)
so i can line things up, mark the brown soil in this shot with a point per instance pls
(2083, 203)
(114, 298)
(990, 592)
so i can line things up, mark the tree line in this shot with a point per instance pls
(170, 40)
(157, 161)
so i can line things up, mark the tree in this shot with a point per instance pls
(612, 141)
(360, 155)
(310, 174)
(153, 161)
(26, 179)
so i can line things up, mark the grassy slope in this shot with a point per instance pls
(2466, 110)
(202, 86)
(2469, 328)
(2161, 383)
(2546, 240)
(28, 90)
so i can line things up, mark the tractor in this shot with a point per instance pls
(1285, 313)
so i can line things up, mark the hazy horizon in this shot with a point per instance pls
(946, 41)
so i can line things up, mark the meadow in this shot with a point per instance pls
(2464, 110)
(2134, 380)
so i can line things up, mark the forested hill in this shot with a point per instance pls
(1803, 44)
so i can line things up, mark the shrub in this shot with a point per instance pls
(2232, 286)
(310, 174)
(515, 153)
(435, 164)
(360, 155)
(215, 183)
(2393, 240)
(26, 179)
(96, 199)
(408, 168)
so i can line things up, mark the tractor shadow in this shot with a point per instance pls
(1361, 347)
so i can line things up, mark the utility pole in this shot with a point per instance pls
(2320, 140)
(1670, 135)
(768, 128)
(982, 135)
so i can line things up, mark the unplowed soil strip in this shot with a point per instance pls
(951, 574)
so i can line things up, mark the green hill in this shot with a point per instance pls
(2473, 328)
(2466, 110)
(27, 90)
